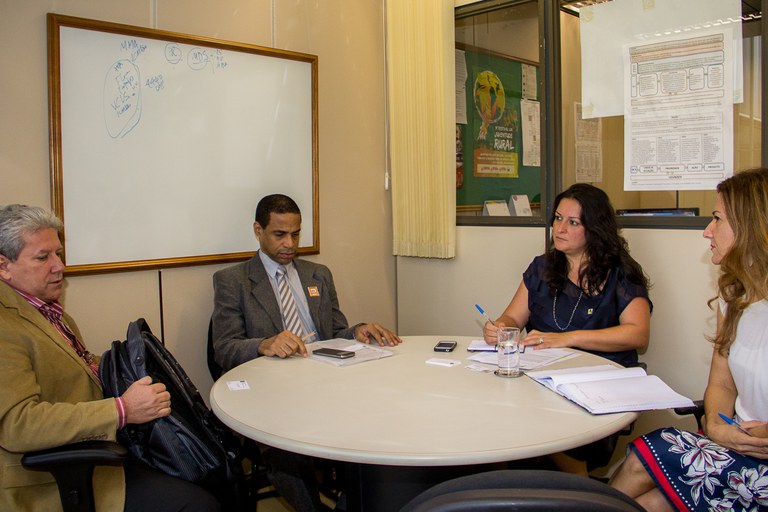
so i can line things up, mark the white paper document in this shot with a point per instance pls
(519, 205)
(237, 385)
(439, 361)
(530, 82)
(530, 112)
(678, 112)
(530, 359)
(461, 87)
(588, 135)
(363, 352)
(480, 346)
(607, 389)
(495, 208)
(607, 26)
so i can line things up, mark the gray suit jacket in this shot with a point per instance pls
(246, 311)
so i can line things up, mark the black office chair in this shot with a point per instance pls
(697, 410)
(601, 451)
(213, 367)
(72, 466)
(259, 486)
(522, 491)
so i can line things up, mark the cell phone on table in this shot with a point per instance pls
(445, 346)
(334, 352)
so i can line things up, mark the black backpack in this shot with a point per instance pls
(190, 443)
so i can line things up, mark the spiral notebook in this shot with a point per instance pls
(607, 389)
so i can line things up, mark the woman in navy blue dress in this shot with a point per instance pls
(726, 469)
(585, 292)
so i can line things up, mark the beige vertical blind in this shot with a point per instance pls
(421, 98)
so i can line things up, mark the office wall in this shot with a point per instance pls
(355, 211)
(433, 296)
(438, 296)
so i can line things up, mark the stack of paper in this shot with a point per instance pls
(529, 359)
(606, 389)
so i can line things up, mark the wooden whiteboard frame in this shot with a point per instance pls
(60, 173)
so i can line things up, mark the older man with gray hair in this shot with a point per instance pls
(51, 392)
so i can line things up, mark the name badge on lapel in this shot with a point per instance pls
(313, 291)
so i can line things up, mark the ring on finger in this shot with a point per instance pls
(541, 340)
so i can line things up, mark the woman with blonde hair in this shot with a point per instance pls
(726, 468)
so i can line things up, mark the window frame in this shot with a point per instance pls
(550, 85)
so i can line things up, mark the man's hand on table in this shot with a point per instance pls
(283, 345)
(370, 333)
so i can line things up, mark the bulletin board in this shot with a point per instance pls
(163, 143)
(493, 132)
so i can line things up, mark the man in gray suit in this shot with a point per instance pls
(254, 315)
(247, 314)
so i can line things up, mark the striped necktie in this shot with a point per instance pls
(288, 304)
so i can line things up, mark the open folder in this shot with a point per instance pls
(606, 389)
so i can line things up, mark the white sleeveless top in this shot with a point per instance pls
(748, 362)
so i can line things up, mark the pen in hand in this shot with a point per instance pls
(482, 312)
(734, 423)
(485, 315)
(308, 335)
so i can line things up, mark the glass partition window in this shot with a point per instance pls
(498, 164)
(497, 73)
(594, 149)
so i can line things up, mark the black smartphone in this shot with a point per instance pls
(445, 346)
(334, 352)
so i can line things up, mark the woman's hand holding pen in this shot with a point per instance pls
(491, 328)
(754, 443)
(490, 331)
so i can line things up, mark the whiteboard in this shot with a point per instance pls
(162, 144)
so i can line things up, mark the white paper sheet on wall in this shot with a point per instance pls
(588, 141)
(531, 114)
(607, 27)
(461, 87)
(678, 114)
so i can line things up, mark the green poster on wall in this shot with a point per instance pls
(490, 145)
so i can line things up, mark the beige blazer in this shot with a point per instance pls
(49, 397)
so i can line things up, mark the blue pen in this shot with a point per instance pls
(733, 422)
(482, 312)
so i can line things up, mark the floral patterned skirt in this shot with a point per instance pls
(694, 473)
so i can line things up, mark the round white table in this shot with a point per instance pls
(400, 411)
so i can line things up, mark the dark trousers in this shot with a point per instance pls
(294, 476)
(149, 490)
